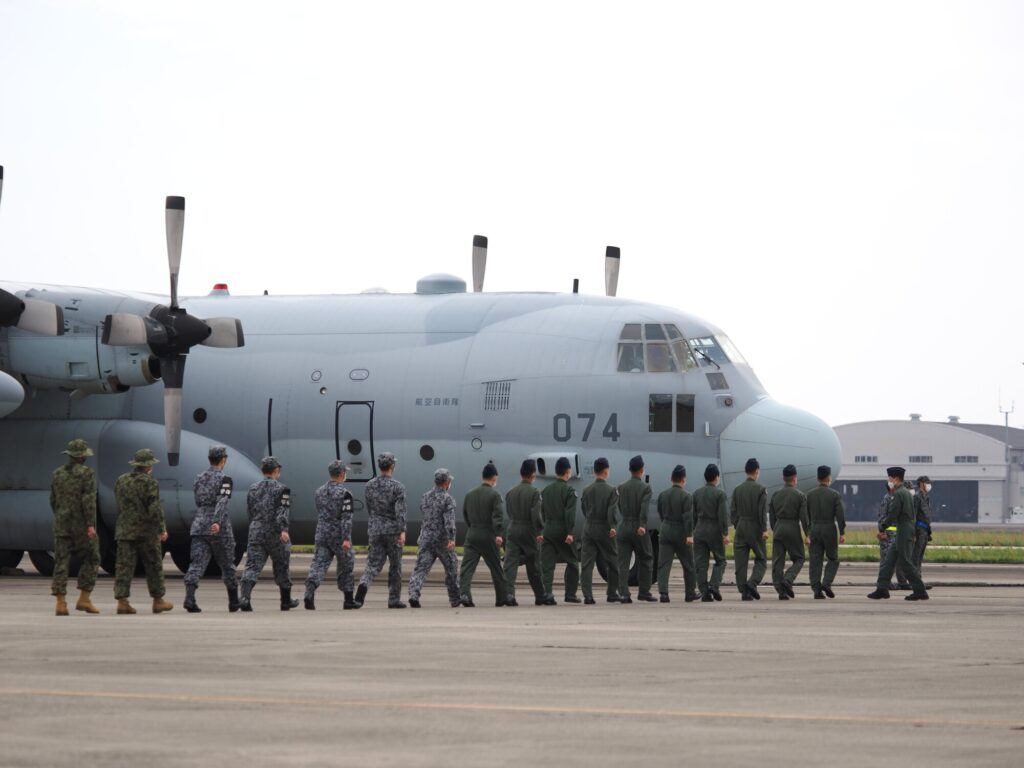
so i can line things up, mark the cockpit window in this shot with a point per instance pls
(659, 358)
(631, 357)
(655, 348)
(654, 332)
(708, 352)
(631, 332)
(730, 349)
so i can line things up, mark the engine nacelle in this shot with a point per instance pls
(76, 362)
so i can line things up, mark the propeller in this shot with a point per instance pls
(611, 270)
(170, 332)
(33, 315)
(479, 262)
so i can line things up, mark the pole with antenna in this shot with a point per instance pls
(1006, 444)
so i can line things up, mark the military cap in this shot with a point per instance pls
(751, 466)
(789, 471)
(562, 465)
(336, 468)
(490, 471)
(711, 472)
(678, 473)
(601, 464)
(442, 476)
(923, 479)
(385, 460)
(636, 463)
(528, 468)
(217, 452)
(78, 449)
(144, 458)
(268, 464)
(824, 471)
(897, 472)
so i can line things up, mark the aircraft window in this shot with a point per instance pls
(683, 355)
(685, 411)
(654, 332)
(199, 415)
(355, 447)
(717, 381)
(426, 452)
(707, 351)
(730, 349)
(659, 358)
(631, 332)
(631, 357)
(673, 332)
(660, 413)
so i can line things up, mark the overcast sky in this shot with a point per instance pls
(840, 187)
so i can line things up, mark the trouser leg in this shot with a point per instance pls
(61, 565)
(689, 569)
(280, 558)
(88, 551)
(533, 572)
(125, 569)
(470, 559)
(346, 569)
(198, 559)
(644, 564)
(741, 556)
(608, 549)
(450, 563)
(905, 545)
(760, 549)
(702, 558)
(375, 560)
(718, 571)
(887, 567)
(322, 557)
(152, 556)
(548, 557)
(832, 562)
(572, 569)
(223, 549)
(255, 559)
(492, 557)
(627, 545)
(778, 562)
(394, 570)
(666, 553)
(920, 545)
(424, 560)
(817, 557)
(511, 565)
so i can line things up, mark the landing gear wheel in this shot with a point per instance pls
(9, 558)
(43, 561)
(181, 555)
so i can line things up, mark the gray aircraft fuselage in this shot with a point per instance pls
(450, 380)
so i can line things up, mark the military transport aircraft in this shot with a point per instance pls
(439, 377)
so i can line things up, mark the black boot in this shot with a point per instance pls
(819, 594)
(828, 592)
(879, 594)
(349, 604)
(360, 596)
(308, 601)
(286, 599)
(190, 599)
(245, 603)
(664, 597)
(752, 591)
(232, 597)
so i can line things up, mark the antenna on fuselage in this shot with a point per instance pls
(479, 262)
(611, 270)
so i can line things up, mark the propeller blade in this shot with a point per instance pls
(175, 215)
(172, 371)
(226, 333)
(611, 270)
(479, 262)
(42, 317)
(122, 330)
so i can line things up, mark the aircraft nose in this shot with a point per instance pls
(777, 435)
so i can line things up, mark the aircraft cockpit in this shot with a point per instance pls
(661, 348)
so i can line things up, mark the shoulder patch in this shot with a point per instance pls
(286, 497)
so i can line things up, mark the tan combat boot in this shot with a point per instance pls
(85, 604)
(62, 606)
(160, 605)
(123, 606)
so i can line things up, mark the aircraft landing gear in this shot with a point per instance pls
(9, 558)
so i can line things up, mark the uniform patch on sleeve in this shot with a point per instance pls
(286, 497)
(225, 487)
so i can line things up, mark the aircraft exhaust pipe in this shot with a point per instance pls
(611, 270)
(479, 262)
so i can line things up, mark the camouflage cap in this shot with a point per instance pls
(217, 452)
(337, 468)
(268, 464)
(144, 457)
(78, 449)
(386, 460)
(442, 476)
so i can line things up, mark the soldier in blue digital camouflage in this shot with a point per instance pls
(211, 531)
(269, 504)
(385, 502)
(73, 500)
(437, 540)
(139, 532)
(333, 538)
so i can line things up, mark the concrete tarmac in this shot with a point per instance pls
(845, 682)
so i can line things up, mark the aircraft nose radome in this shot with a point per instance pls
(778, 435)
(11, 394)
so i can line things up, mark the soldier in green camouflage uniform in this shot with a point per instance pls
(711, 533)
(749, 515)
(73, 500)
(525, 533)
(634, 538)
(559, 511)
(675, 508)
(140, 530)
(600, 506)
(483, 511)
(825, 510)
(787, 514)
(900, 513)
(922, 521)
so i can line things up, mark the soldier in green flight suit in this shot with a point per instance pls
(787, 514)
(483, 511)
(825, 509)
(634, 538)
(749, 515)
(525, 533)
(600, 506)
(900, 513)
(73, 501)
(139, 531)
(711, 533)
(675, 508)
(559, 503)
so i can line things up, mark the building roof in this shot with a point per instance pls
(997, 432)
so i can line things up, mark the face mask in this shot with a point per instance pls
(891, 485)
(927, 487)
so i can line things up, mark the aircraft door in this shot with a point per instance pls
(353, 438)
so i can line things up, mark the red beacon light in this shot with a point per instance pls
(220, 289)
